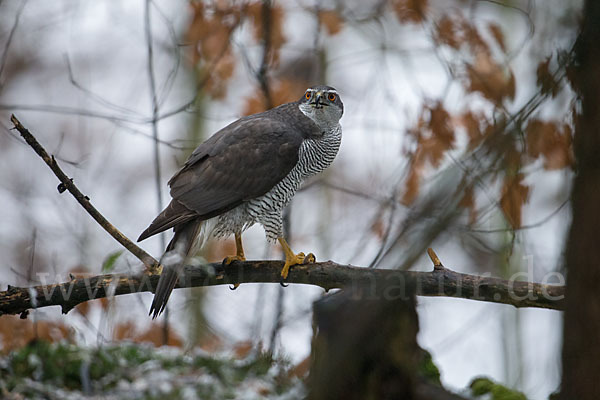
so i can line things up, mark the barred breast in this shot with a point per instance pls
(315, 155)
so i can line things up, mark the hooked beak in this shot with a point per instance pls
(316, 103)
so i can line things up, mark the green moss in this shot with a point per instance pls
(429, 370)
(46, 362)
(481, 385)
(254, 366)
(212, 366)
(41, 368)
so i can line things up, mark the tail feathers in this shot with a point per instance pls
(166, 284)
(175, 214)
(178, 252)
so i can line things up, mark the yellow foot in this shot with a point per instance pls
(296, 259)
(239, 256)
(292, 259)
(230, 259)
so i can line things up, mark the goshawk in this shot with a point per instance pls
(247, 173)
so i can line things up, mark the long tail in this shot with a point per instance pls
(179, 250)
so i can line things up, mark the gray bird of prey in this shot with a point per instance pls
(247, 173)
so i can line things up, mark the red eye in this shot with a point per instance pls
(331, 97)
(307, 95)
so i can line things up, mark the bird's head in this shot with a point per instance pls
(323, 105)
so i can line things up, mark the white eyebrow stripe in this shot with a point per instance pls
(325, 91)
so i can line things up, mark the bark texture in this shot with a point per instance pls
(328, 275)
(581, 343)
(365, 347)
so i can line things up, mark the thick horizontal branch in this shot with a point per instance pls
(328, 275)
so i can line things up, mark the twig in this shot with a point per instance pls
(524, 227)
(437, 264)
(328, 275)
(94, 96)
(67, 184)
(4, 57)
(48, 108)
(261, 74)
(205, 79)
(155, 108)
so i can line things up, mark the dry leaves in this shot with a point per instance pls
(468, 202)
(413, 181)
(495, 82)
(434, 136)
(551, 140)
(210, 31)
(545, 79)
(85, 307)
(154, 334)
(331, 20)
(457, 32)
(497, 34)
(209, 34)
(301, 369)
(484, 74)
(242, 349)
(441, 127)
(492, 80)
(410, 11)
(447, 32)
(472, 123)
(281, 91)
(471, 36)
(514, 195)
(268, 19)
(16, 333)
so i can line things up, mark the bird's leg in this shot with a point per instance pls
(239, 251)
(239, 255)
(292, 259)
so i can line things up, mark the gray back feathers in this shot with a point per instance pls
(241, 162)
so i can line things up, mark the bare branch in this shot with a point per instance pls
(67, 184)
(155, 108)
(437, 264)
(4, 57)
(328, 275)
(261, 74)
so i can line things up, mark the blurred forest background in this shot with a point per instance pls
(457, 134)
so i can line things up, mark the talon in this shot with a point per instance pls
(239, 256)
(309, 259)
(239, 251)
(282, 282)
(228, 260)
(292, 259)
(295, 259)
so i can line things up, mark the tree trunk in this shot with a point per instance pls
(365, 348)
(581, 342)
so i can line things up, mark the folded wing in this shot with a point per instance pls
(240, 162)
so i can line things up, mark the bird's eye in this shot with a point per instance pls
(307, 95)
(331, 97)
